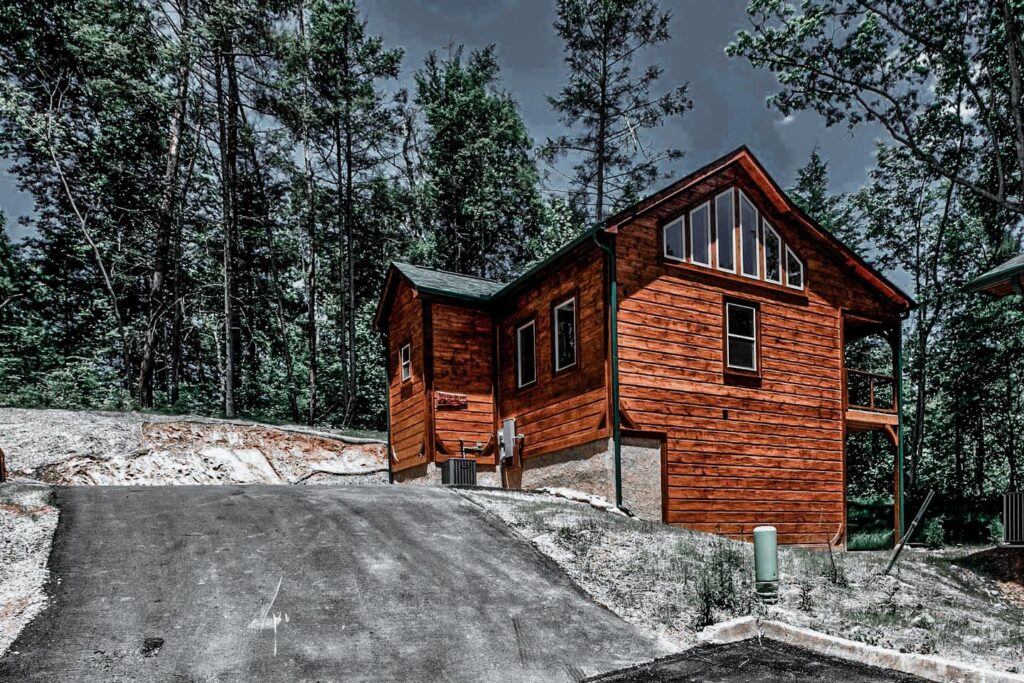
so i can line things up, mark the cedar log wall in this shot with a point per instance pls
(408, 402)
(462, 365)
(570, 408)
(740, 451)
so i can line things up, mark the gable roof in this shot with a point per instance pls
(1005, 278)
(446, 283)
(481, 290)
(745, 159)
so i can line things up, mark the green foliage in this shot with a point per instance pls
(995, 530)
(933, 532)
(873, 540)
(479, 196)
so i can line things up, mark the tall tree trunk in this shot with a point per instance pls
(311, 292)
(178, 301)
(350, 237)
(342, 211)
(228, 137)
(165, 213)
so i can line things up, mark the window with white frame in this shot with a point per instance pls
(794, 270)
(772, 255)
(672, 240)
(725, 231)
(405, 355)
(700, 234)
(741, 336)
(748, 238)
(526, 354)
(564, 325)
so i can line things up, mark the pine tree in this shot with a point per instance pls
(608, 106)
(812, 194)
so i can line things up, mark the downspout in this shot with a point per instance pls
(387, 405)
(898, 340)
(613, 323)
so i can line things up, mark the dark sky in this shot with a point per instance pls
(729, 96)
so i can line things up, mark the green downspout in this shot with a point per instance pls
(898, 333)
(613, 323)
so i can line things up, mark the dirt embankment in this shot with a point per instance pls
(74, 448)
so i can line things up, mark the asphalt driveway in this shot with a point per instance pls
(284, 583)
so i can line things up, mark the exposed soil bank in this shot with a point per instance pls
(83, 448)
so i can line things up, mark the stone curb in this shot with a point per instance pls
(924, 666)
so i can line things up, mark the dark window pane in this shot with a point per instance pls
(794, 270)
(741, 353)
(565, 337)
(700, 235)
(674, 240)
(748, 236)
(527, 356)
(725, 222)
(772, 256)
(741, 320)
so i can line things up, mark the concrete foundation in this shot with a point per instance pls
(586, 468)
(641, 477)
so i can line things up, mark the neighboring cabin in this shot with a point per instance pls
(715, 310)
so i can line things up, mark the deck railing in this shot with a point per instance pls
(870, 391)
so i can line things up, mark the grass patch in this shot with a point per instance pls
(870, 540)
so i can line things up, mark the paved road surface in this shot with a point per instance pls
(752, 661)
(277, 583)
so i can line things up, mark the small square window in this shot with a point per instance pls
(741, 337)
(564, 325)
(526, 354)
(406, 357)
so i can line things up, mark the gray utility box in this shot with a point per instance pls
(1013, 518)
(458, 472)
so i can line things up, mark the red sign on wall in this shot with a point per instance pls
(447, 400)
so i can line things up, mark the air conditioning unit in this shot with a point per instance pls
(1013, 518)
(458, 472)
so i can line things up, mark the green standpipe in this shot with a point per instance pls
(614, 325)
(766, 564)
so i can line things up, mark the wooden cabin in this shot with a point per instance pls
(684, 358)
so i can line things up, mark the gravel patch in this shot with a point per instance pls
(673, 582)
(27, 523)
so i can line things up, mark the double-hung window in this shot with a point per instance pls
(564, 324)
(405, 356)
(526, 354)
(741, 337)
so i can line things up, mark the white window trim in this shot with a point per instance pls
(718, 251)
(664, 242)
(803, 271)
(764, 255)
(729, 335)
(519, 354)
(707, 207)
(554, 321)
(757, 237)
(405, 361)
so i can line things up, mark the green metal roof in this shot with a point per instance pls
(450, 284)
(1004, 271)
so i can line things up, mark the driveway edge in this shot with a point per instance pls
(924, 666)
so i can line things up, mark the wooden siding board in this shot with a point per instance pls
(739, 455)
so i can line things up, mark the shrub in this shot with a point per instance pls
(933, 534)
(875, 540)
(995, 530)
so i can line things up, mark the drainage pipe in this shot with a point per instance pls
(613, 324)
